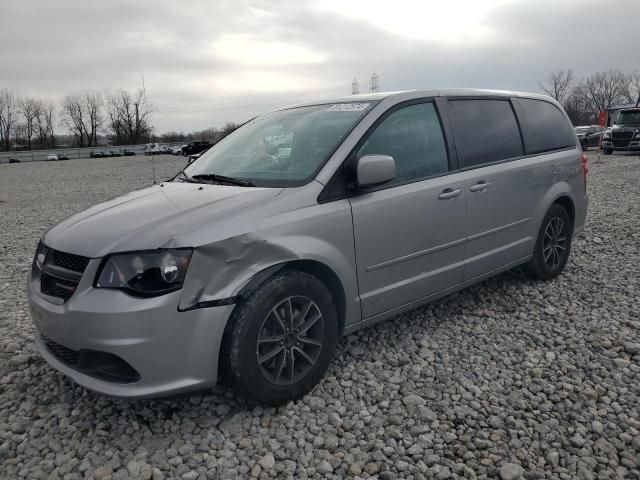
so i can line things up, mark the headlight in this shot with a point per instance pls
(145, 274)
(606, 136)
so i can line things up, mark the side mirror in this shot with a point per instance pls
(375, 170)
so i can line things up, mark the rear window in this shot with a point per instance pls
(546, 127)
(485, 131)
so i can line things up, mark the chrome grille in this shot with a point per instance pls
(59, 272)
(57, 287)
(75, 263)
(621, 138)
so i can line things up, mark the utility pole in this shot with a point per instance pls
(374, 82)
(355, 86)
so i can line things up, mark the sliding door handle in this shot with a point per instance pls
(480, 186)
(449, 193)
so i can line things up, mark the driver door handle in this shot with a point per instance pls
(449, 193)
(481, 186)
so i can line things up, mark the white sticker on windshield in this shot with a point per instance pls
(347, 107)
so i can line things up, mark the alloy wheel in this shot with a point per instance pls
(290, 340)
(554, 247)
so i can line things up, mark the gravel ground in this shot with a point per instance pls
(508, 379)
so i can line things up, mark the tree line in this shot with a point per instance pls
(214, 135)
(583, 98)
(121, 116)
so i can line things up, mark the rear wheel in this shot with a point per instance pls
(282, 339)
(553, 245)
(607, 151)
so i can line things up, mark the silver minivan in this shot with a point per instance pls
(303, 225)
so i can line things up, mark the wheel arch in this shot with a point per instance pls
(319, 270)
(561, 194)
(567, 203)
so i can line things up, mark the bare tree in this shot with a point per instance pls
(28, 108)
(44, 123)
(634, 88)
(8, 117)
(92, 104)
(558, 85)
(20, 135)
(606, 89)
(128, 114)
(73, 118)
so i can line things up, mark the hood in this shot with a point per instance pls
(616, 128)
(151, 218)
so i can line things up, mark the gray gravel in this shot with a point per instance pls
(509, 379)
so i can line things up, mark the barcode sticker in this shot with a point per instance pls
(348, 107)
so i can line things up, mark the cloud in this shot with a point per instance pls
(207, 62)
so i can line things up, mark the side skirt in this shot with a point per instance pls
(367, 322)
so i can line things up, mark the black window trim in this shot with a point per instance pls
(337, 188)
(340, 186)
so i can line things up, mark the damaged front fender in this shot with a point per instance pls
(219, 271)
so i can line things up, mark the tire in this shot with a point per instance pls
(552, 250)
(607, 151)
(265, 315)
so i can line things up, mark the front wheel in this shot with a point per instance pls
(282, 339)
(552, 246)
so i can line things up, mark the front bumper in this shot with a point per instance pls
(633, 145)
(172, 351)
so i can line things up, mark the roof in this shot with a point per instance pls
(450, 92)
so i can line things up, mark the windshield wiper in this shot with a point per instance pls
(220, 178)
(185, 177)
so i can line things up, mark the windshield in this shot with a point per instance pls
(282, 148)
(631, 117)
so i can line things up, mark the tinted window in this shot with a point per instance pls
(546, 128)
(485, 131)
(413, 137)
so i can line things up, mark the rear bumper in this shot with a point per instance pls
(171, 351)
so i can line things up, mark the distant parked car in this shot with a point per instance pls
(625, 132)
(177, 150)
(63, 156)
(52, 156)
(589, 136)
(14, 160)
(128, 152)
(96, 154)
(196, 147)
(115, 153)
(152, 149)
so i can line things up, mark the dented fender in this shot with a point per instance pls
(322, 233)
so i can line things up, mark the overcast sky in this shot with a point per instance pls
(208, 62)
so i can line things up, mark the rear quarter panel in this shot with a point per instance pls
(563, 176)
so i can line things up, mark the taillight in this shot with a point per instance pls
(585, 167)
